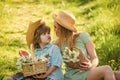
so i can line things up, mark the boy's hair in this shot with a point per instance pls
(40, 30)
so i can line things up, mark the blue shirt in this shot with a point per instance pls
(55, 59)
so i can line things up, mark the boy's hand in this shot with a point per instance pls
(40, 76)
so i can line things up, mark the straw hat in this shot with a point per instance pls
(66, 19)
(31, 29)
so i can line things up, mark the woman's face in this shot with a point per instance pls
(45, 38)
(56, 29)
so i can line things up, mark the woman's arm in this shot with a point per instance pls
(92, 53)
(93, 57)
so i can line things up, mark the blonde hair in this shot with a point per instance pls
(66, 35)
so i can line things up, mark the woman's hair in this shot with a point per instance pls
(65, 35)
(39, 30)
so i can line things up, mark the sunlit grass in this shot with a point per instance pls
(99, 18)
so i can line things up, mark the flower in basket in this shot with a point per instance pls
(22, 60)
(28, 59)
(43, 57)
(73, 58)
(70, 55)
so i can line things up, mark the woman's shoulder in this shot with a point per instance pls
(84, 36)
(83, 33)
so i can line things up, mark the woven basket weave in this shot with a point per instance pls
(34, 68)
(76, 65)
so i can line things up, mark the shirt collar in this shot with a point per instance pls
(48, 45)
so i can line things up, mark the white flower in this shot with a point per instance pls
(28, 59)
(70, 55)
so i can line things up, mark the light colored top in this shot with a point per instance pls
(77, 74)
(55, 59)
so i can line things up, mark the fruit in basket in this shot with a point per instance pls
(23, 53)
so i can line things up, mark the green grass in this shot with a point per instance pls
(98, 17)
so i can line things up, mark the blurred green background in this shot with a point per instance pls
(100, 18)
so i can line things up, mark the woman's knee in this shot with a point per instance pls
(99, 72)
(107, 68)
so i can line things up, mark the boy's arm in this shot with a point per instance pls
(49, 71)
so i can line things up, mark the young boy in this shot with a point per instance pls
(38, 34)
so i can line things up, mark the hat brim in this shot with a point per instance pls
(70, 27)
(31, 29)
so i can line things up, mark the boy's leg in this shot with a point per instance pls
(117, 75)
(10, 78)
(17, 76)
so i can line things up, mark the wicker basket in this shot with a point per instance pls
(33, 68)
(76, 65)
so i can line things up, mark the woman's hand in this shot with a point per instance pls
(86, 65)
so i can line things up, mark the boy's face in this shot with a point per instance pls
(45, 38)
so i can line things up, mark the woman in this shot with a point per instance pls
(69, 37)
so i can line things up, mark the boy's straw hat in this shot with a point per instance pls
(66, 19)
(31, 29)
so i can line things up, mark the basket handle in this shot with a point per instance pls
(32, 51)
